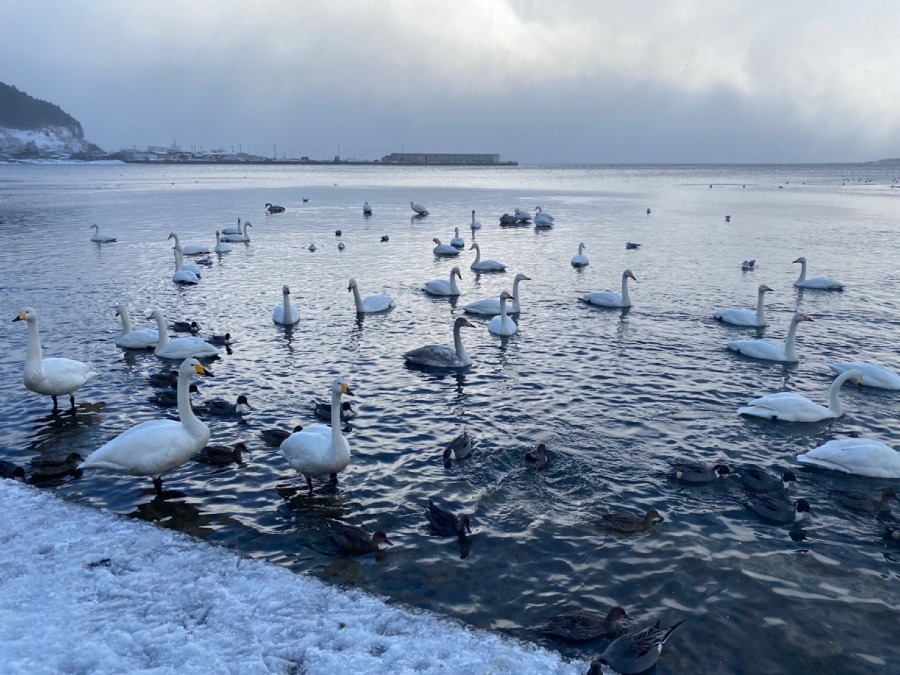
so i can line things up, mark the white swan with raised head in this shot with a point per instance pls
(444, 250)
(475, 224)
(738, 316)
(541, 219)
(183, 275)
(372, 304)
(442, 286)
(789, 407)
(151, 448)
(820, 283)
(491, 306)
(233, 230)
(242, 238)
(768, 350)
(441, 356)
(285, 313)
(610, 298)
(875, 375)
(221, 246)
(180, 347)
(457, 241)
(100, 238)
(195, 249)
(580, 259)
(859, 456)
(487, 265)
(503, 325)
(130, 338)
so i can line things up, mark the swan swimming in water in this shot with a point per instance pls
(609, 298)
(418, 208)
(441, 356)
(491, 306)
(859, 456)
(242, 238)
(874, 375)
(487, 265)
(181, 347)
(320, 449)
(285, 313)
(141, 338)
(444, 250)
(475, 224)
(55, 376)
(156, 446)
(738, 316)
(221, 246)
(789, 407)
(442, 286)
(367, 210)
(196, 249)
(273, 208)
(580, 259)
(502, 324)
(233, 230)
(457, 241)
(523, 216)
(768, 350)
(182, 275)
(100, 238)
(821, 283)
(541, 219)
(372, 304)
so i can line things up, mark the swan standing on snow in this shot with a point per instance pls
(491, 306)
(285, 313)
(441, 356)
(153, 447)
(859, 456)
(874, 375)
(233, 230)
(580, 259)
(503, 325)
(221, 246)
(51, 377)
(821, 283)
(609, 298)
(488, 265)
(100, 238)
(444, 250)
(182, 275)
(418, 208)
(196, 249)
(475, 224)
(442, 286)
(242, 237)
(372, 304)
(738, 316)
(457, 241)
(182, 347)
(141, 338)
(367, 210)
(319, 449)
(788, 407)
(768, 350)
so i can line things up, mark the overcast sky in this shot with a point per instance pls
(549, 81)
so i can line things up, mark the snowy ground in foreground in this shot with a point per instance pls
(166, 603)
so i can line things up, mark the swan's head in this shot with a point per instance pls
(463, 321)
(246, 225)
(473, 212)
(156, 314)
(521, 277)
(628, 275)
(475, 246)
(764, 289)
(26, 314)
(436, 241)
(174, 236)
(464, 522)
(341, 386)
(380, 537)
(801, 259)
(653, 516)
(94, 227)
(194, 367)
(285, 290)
(799, 316)
(856, 377)
(721, 470)
(351, 285)
(120, 310)
(504, 296)
(537, 209)
(456, 273)
(218, 234)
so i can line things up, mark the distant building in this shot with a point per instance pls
(443, 158)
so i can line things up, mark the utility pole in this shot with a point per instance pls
(274, 151)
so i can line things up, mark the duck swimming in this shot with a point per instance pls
(355, 540)
(582, 626)
(446, 523)
(628, 523)
(272, 208)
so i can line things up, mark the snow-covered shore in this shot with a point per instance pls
(86, 591)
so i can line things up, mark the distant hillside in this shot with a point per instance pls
(18, 110)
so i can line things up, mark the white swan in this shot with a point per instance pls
(877, 376)
(523, 216)
(233, 230)
(444, 250)
(580, 259)
(51, 377)
(418, 208)
(491, 306)
(768, 350)
(156, 446)
(788, 407)
(100, 238)
(441, 356)
(372, 304)
(242, 238)
(860, 456)
(821, 283)
(141, 338)
(221, 246)
(610, 298)
(475, 224)
(182, 275)
(320, 449)
(285, 313)
(738, 316)
(458, 241)
(487, 265)
(196, 249)
(181, 347)
(502, 324)
(442, 286)
(367, 210)
(541, 219)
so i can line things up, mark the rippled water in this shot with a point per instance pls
(616, 395)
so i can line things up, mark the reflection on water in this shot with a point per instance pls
(616, 395)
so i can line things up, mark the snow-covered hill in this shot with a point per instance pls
(51, 141)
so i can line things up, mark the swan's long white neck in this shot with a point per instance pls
(179, 258)
(502, 309)
(126, 320)
(477, 250)
(626, 299)
(834, 401)
(802, 276)
(175, 237)
(163, 331)
(580, 249)
(461, 353)
(286, 307)
(515, 296)
(453, 287)
(473, 221)
(33, 355)
(456, 232)
(190, 421)
(760, 309)
(357, 298)
(338, 446)
(790, 351)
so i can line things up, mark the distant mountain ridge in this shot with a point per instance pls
(34, 129)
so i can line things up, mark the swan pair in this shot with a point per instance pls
(789, 407)
(768, 350)
(140, 338)
(285, 313)
(442, 287)
(491, 306)
(181, 347)
(441, 356)
(54, 376)
(820, 283)
(320, 449)
(182, 274)
(156, 446)
(372, 304)
(738, 316)
(240, 237)
(609, 298)
(487, 265)
(100, 238)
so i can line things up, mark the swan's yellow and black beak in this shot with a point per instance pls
(20, 316)
(200, 369)
(766, 289)
(806, 317)
(631, 276)
(345, 389)
(859, 383)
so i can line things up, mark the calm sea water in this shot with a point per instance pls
(615, 395)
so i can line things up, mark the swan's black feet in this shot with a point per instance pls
(55, 404)
(157, 484)
(309, 485)
(334, 478)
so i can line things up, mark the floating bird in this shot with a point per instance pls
(727, 219)
(272, 208)
(130, 338)
(311, 248)
(100, 238)
(873, 374)
(444, 250)
(167, 379)
(580, 259)
(503, 325)
(542, 220)
(457, 241)
(10, 470)
(738, 316)
(285, 313)
(168, 398)
(629, 523)
(491, 306)
(748, 265)
(234, 230)
(633, 652)
(610, 298)
(195, 249)
(221, 246)
(860, 456)
(760, 480)
(768, 350)
(243, 237)
(507, 219)
(859, 502)
(182, 275)
(181, 347)
(222, 455)
(222, 408)
(322, 410)
(320, 449)
(151, 448)
(372, 304)
(460, 447)
(537, 459)
(191, 327)
(367, 210)
(779, 511)
(441, 356)
(418, 208)
(355, 540)
(582, 626)
(442, 286)
(384, 237)
(522, 216)
(338, 233)
(54, 376)
(475, 224)
(341, 246)
(54, 465)
(789, 407)
(820, 283)
(487, 265)
(630, 245)
(220, 340)
(446, 523)
(276, 437)
(698, 473)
